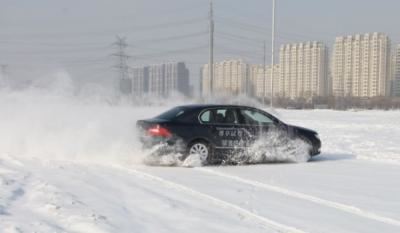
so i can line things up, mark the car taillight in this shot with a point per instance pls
(158, 131)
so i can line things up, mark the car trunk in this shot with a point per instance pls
(146, 124)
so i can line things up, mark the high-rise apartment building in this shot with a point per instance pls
(160, 80)
(360, 65)
(260, 80)
(303, 70)
(255, 71)
(140, 79)
(176, 78)
(395, 70)
(230, 77)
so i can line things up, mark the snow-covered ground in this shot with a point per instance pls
(68, 165)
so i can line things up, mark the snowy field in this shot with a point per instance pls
(73, 164)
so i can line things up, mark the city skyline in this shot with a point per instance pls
(360, 66)
(45, 36)
(159, 80)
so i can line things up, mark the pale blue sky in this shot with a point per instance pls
(76, 35)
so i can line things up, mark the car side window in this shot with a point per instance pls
(229, 116)
(205, 117)
(219, 116)
(255, 117)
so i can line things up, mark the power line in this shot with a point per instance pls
(177, 37)
(242, 38)
(169, 24)
(153, 27)
(264, 30)
(84, 64)
(247, 56)
(33, 52)
(250, 46)
(244, 26)
(57, 44)
(242, 51)
(250, 55)
(169, 52)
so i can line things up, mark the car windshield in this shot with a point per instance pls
(171, 114)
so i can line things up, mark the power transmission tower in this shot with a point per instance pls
(211, 49)
(122, 66)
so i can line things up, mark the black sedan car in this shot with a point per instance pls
(215, 132)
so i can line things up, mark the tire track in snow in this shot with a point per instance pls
(336, 205)
(267, 223)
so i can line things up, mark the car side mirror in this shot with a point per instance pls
(279, 124)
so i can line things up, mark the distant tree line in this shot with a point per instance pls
(340, 103)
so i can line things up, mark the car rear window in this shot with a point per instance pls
(206, 116)
(171, 114)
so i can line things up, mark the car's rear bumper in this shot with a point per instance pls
(149, 142)
(175, 145)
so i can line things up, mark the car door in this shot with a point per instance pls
(223, 127)
(255, 123)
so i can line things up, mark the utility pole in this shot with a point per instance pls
(3, 69)
(264, 78)
(122, 63)
(3, 74)
(272, 53)
(211, 49)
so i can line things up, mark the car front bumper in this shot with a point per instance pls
(316, 147)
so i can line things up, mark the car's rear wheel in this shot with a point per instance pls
(199, 148)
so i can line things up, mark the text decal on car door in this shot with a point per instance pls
(234, 137)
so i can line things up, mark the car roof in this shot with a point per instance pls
(203, 106)
(199, 107)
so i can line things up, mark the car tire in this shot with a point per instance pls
(307, 142)
(200, 147)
